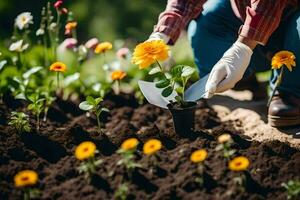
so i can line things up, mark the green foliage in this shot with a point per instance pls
(20, 121)
(293, 189)
(88, 168)
(176, 79)
(128, 160)
(93, 105)
(122, 192)
(36, 107)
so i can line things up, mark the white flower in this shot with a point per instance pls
(23, 20)
(18, 46)
(40, 32)
(52, 26)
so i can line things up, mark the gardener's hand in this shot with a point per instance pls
(159, 36)
(229, 70)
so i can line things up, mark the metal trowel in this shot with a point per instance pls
(153, 94)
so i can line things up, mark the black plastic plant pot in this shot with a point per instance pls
(183, 118)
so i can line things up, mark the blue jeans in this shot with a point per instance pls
(216, 29)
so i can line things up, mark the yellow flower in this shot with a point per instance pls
(129, 144)
(58, 67)
(71, 25)
(151, 146)
(103, 47)
(149, 52)
(286, 58)
(25, 178)
(239, 163)
(118, 75)
(198, 156)
(224, 138)
(85, 150)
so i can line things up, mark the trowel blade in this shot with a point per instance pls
(153, 94)
(197, 90)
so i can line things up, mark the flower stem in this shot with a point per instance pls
(277, 83)
(99, 124)
(159, 65)
(57, 79)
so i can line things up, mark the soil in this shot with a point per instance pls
(50, 151)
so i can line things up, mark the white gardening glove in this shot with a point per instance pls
(159, 36)
(229, 70)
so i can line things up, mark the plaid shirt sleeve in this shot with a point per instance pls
(262, 18)
(176, 17)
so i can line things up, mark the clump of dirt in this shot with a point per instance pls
(50, 151)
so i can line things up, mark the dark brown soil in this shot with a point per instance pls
(50, 152)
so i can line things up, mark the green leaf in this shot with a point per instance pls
(179, 90)
(154, 70)
(33, 70)
(2, 63)
(176, 71)
(162, 83)
(71, 79)
(98, 100)
(187, 71)
(167, 91)
(85, 106)
(91, 100)
(104, 109)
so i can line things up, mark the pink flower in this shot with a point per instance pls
(69, 43)
(58, 4)
(92, 43)
(123, 52)
(64, 11)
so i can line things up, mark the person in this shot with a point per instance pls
(232, 39)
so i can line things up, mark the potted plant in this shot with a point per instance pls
(169, 81)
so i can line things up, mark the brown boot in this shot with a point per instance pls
(284, 110)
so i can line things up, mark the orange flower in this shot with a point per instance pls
(25, 178)
(281, 58)
(151, 146)
(85, 150)
(198, 156)
(240, 163)
(118, 75)
(103, 47)
(149, 52)
(58, 67)
(129, 144)
(69, 27)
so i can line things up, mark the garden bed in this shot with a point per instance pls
(50, 152)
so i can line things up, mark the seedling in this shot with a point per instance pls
(239, 164)
(93, 105)
(150, 148)
(36, 107)
(122, 192)
(198, 158)
(85, 152)
(49, 99)
(20, 121)
(127, 151)
(293, 189)
(26, 180)
(225, 145)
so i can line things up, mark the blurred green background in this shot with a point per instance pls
(108, 19)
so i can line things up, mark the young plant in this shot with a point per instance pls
(25, 180)
(280, 59)
(85, 152)
(293, 189)
(239, 164)
(36, 107)
(20, 121)
(117, 76)
(198, 158)
(58, 67)
(49, 99)
(150, 148)
(150, 52)
(126, 151)
(122, 192)
(225, 142)
(93, 105)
